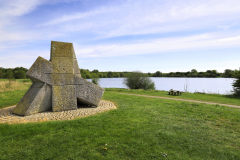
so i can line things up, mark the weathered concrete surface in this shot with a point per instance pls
(37, 99)
(57, 84)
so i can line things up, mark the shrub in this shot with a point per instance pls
(95, 81)
(26, 80)
(138, 80)
(83, 76)
(1, 74)
(110, 74)
(88, 76)
(100, 75)
(236, 84)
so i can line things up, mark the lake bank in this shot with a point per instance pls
(212, 98)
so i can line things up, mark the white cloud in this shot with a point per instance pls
(74, 17)
(10, 9)
(230, 39)
(25, 58)
(163, 45)
(145, 17)
(208, 23)
(128, 18)
(17, 7)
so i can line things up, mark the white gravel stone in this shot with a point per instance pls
(6, 115)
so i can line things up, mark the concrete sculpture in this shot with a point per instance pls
(57, 84)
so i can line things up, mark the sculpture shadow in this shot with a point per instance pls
(82, 105)
(232, 96)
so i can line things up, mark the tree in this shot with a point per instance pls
(208, 75)
(138, 80)
(121, 74)
(94, 75)
(214, 72)
(116, 75)
(105, 75)
(22, 74)
(110, 74)
(200, 74)
(157, 74)
(16, 74)
(194, 71)
(83, 76)
(100, 75)
(178, 74)
(209, 71)
(95, 71)
(228, 72)
(236, 84)
(1, 74)
(88, 76)
(9, 74)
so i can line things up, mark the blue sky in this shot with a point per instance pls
(117, 35)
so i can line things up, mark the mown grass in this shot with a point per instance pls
(217, 98)
(141, 128)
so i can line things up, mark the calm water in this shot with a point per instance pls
(208, 85)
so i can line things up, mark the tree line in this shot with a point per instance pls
(20, 73)
(86, 74)
(194, 73)
(131, 82)
(228, 73)
(13, 73)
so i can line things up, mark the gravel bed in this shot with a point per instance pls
(6, 115)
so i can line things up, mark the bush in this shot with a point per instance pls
(26, 80)
(138, 80)
(110, 74)
(100, 75)
(88, 76)
(83, 76)
(236, 84)
(19, 74)
(95, 81)
(1, 74)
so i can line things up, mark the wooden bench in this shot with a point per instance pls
(175, 92)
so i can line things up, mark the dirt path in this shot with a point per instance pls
(228, 105)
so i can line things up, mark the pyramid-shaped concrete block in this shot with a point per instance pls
(57, 84)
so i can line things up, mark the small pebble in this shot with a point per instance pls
(6, 115)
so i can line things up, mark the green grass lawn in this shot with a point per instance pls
(141, 128)
(217, 98)
(10, 98)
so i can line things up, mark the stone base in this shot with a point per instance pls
(6, 115)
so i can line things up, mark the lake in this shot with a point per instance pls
(208, 85)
